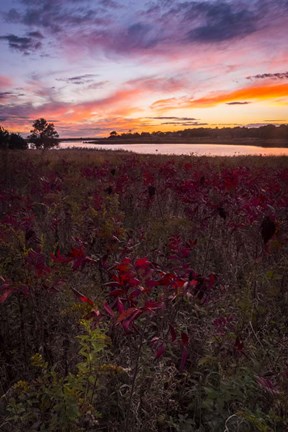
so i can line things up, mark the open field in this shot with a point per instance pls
(143, 293)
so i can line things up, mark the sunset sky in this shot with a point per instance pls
(92, 66)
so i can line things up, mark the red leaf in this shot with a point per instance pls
(85, 299)
(184, 252)
(120, 306)
(179, 283)
(151, 283)
(152, 305)
(184, 357)
(160, 351)
(212, 279)
(172, 332)
(184, 339)
(82, 297)
(143, 263)
(108, 309)
(127, 322)
(77, 252)
(58, 258)
(126, 314)
(167, 279)
(79, 258)
(6, 294)
(124, 266)
(133, 281)
(116, 293)
(267, 385)
(135, 293)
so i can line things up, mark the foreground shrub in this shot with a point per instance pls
(176, 269)
(52, 401)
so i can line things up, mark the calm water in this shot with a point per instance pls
(184, 149)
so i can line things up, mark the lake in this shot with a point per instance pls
(183, 149)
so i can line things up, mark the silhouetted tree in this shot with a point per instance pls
(267, 131)
(43, 135)
(4, 138)
(113, 134)
(17, 142)
(282, 131)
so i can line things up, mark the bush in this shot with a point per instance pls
(176, 270)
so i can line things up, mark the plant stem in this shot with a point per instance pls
(207, 248)
(136, 369)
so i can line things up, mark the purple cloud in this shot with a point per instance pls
(146, 26)
(220, 21)
(25, 44)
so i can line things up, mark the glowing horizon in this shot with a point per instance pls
(95, 66)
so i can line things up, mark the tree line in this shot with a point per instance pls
(269, 131)
(11, 141)
(42, 136)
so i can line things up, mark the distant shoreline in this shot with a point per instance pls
(263, 136)
(281, 143)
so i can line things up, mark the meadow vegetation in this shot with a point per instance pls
(143, 293)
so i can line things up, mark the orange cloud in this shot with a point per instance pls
(251, 93)
(258, 93)
(67, 116)
(122, 109)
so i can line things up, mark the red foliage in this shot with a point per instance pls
(6, 290)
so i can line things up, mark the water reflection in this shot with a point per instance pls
(184, 149)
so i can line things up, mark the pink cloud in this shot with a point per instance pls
(5, 82)
(120, 103)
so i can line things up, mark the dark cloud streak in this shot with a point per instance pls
(173, 118)
(8, 94)
(56, 16)
(184, 123)
(25, 44)
(3, 95)
(80, 79)
(274, 76)
(238, 103)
